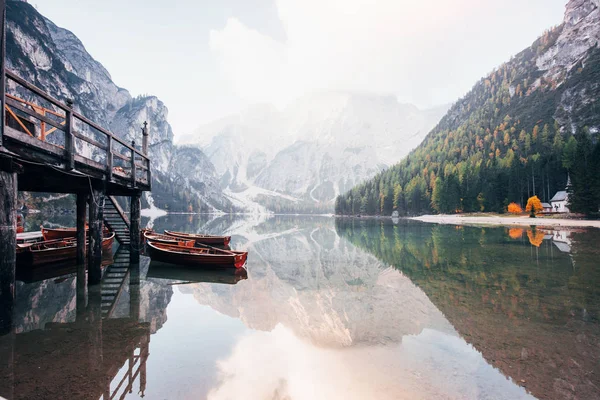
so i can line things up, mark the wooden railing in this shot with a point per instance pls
(45, 124)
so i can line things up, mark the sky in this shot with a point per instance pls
(210, 58)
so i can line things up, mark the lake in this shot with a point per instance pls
(329, 309)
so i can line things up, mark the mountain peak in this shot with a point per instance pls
(580, 32)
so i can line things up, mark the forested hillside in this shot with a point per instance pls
(520, 131)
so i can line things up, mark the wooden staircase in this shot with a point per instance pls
(114, 280)
(116, 219)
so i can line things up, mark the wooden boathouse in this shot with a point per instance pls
(47, 146)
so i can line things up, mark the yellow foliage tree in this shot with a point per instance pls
(534, 205)
(514, 208)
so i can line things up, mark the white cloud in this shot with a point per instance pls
(431, 365)
(425, 52)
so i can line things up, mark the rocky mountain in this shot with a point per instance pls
(301, 158)
(519, 132)
(55, 60)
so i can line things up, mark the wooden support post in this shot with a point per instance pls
(8, 245)
(69, 138)
(133, 169)
(149, 174)
(134, 229)
(2, 69)
(81, 209)
(109, 159)
(145, 138)
(96, 222)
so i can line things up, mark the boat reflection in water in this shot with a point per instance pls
(184, 274)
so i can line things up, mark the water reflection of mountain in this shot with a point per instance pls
(532, 311)
(322, 288)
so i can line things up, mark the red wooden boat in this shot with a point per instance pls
(196, 256)
(63, 233)
(201, 239)
(150, 236)
(52, 251)
(59, 233)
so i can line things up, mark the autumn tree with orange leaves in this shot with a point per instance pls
(534, 205)
(514, 208)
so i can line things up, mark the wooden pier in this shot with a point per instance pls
(47, 146)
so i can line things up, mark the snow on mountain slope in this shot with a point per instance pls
(316, 148)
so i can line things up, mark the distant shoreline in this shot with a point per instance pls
(507, 221)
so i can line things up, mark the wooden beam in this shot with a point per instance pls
(96, 222)
(8, 245)
(99, 145)
(31, 142)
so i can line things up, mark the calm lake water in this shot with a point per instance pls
(331, 309)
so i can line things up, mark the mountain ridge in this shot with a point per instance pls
(56, 61)
(315, 148)
(509, 137)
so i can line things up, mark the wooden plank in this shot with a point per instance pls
(99, 145)
(122, 157)
(14, 77)
(35, 106)
(90, 163)
(36, 115)
(140, 166)
(33, 142)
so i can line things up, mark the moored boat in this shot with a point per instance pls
(53, 251)
(196, 256)
(59, 233)
(166, 239)
(201, 239)
(63, 233)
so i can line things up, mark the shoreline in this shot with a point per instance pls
(506, 221)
